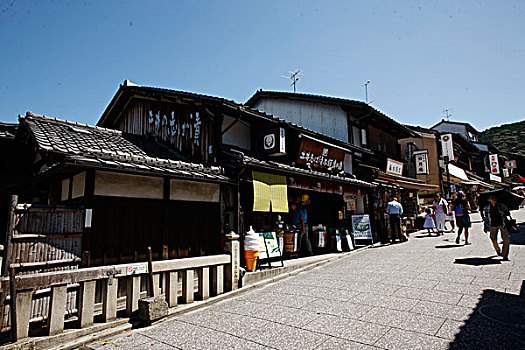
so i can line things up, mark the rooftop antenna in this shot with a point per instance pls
(294, 77)
(366, 90)
(448, 113)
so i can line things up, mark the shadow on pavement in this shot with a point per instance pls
(498, 322)
(449, 246)
(478, 261)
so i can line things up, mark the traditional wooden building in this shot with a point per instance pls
(136, 191)
(358, 124)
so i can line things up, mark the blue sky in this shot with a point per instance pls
(67, 58)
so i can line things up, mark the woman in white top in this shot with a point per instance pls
(441, 210)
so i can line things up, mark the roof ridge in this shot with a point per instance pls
(30, 114)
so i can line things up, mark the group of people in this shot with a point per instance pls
(494, 218)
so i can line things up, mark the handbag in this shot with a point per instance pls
(445, 208)
(511, 225)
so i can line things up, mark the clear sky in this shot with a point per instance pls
(67, 58)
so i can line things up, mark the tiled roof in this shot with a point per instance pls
(327, 99)
(94, 146)
(268, 164)
(105, 120)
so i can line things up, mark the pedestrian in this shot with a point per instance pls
(495, 213)
(429, 223)
(299, 219)
(450, 217)
(394, 209)
(441, 210)
(461, 211)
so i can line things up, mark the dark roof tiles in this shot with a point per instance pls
(96, 146)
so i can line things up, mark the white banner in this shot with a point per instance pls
(447, 147)
(421, 162)
(494, 164)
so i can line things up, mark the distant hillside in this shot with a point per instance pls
(508, 137)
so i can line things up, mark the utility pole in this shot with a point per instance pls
(366, 90)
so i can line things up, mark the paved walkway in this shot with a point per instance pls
(423, 294)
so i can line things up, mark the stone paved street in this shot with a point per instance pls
(423, 294)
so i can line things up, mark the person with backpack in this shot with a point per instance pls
(494, 221)
(461, 211)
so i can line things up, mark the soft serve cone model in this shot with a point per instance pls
(251, 249)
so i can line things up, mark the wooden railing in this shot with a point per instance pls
(105, 290)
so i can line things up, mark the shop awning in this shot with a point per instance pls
(405, 182)
(457, 172)
(269, 192)
(478, 183)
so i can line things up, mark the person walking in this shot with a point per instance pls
(300, 221)
(494, 221)
(441, 210)
(461, 210)
(394, 209)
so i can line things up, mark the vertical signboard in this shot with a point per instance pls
(421, 159)
(494, 164)
(447, 147)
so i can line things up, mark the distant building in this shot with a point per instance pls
(462, 128)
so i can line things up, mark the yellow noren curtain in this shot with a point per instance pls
(269, 191)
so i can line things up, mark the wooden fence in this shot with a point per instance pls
(41, 239)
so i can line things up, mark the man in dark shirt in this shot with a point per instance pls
(494, 220)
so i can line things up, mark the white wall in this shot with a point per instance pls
(238, 135)
(131, 186)
(326, 119)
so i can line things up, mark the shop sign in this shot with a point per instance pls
(394, 167)
(320, 156)
(361, 226)
(494, 164)
(453, 189)
(268, 245)
(506, 172)
(510, 164)
(274, 142)
(421, 162)
(495, 178)
(447, 147)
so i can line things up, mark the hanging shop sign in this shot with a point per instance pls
(273, 142)
(447, 147)
(510, 164)
(361, 226)
(421, 162)
(320, 156)
(506, 172)
(453, 189)
(394, 167)
(494, 164)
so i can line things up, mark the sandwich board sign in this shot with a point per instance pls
(361, 227)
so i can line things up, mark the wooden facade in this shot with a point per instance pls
(187, 129)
